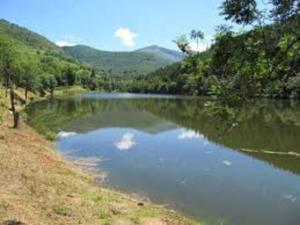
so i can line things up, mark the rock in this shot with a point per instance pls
(115, 211)
(140, 204)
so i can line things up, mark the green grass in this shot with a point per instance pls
(69, 91)
(62, 209)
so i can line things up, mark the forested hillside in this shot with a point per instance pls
(264, 60)
(37, 64)
(126, 64)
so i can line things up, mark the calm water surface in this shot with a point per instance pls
(168, 149)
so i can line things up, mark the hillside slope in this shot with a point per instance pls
(27, 37)
(37, 54)
(122, 63)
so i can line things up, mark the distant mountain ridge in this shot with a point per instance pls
(163, 52)
(139, 62)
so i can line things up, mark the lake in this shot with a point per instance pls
(239, 171)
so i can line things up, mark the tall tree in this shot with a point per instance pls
(29, 78)
(52, 83)
(9, 69)
(282, 9)
(70, 77)
(93, 80)
(240, 11)
(198, 36)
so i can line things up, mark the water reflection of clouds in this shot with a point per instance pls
(227, 163)
(64, 134)
(126, 142)
(189, 134)
(290, 197)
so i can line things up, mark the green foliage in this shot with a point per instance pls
(122, 63)
(285, 8)
(8, 64)
(70, 76)
(62, 209)
(182, 43)
(27, 37)
(240, 11)
(262, 62)
(38, 63)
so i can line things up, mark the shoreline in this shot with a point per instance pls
(40, 186)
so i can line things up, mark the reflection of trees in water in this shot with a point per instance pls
(262, 125)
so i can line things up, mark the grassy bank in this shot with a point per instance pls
(68, 91)
(37, 186)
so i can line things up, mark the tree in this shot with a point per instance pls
(183, 44)
(83, 77)
(29, 78)
(285, 8)
(70, 77)
(240, 11)
(9, 68)
(93, 81)
(197, 35)
(52, 83)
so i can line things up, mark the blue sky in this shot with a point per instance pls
(114, 24)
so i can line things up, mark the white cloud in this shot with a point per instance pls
(68, 40)
(201, 47)
(189, 134)
(64, 43)
(126, 36)
(126, 142)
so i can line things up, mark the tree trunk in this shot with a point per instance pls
(26, 94)
(6, 86)
(16, 119)
(51, 92)
(16, 114)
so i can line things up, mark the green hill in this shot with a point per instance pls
(26, 36)
(137, 62)
(37, 59)
(33, 47)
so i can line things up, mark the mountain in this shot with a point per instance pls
(173, 55)
(142, 61)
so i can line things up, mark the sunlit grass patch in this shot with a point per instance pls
(62, 209)
(68, 91)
